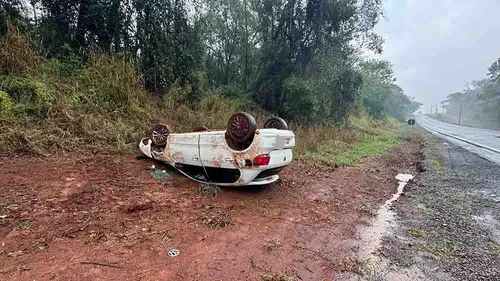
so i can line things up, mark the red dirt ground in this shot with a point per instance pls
(56, 213)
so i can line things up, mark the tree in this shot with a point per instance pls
(298, 59)
(494, 70)
(380, 95)
(12, 12)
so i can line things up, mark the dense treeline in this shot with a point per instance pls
(479, 103)
(299, 59)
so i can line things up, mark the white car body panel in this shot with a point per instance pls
(210, 150)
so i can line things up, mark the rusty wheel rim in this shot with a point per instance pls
(274, 124)
(160, 134)
(239, 127)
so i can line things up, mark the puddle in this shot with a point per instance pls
(488, 222)
(372, 237)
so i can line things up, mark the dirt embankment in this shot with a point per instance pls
(56, 213)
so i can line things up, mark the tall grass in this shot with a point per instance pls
(49, 106)
(362, 137)
(15, 54)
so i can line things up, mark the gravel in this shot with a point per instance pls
(448, 219)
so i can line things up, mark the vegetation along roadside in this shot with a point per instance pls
(69, 82)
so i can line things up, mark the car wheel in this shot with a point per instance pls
(275, 122)
(241, 127)
(159, 134)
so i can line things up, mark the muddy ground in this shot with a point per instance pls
(448, 221)
(106, 218)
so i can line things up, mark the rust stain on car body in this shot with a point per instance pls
(241, 156)
(219, 160)
(178, 156)
(168, 155)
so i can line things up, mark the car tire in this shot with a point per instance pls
(241, 127)
(275, 122)
(159, 134)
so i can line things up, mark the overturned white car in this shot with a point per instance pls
(239, 155)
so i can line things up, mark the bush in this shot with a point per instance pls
(31, 97)
(300, 101)
(5, 104)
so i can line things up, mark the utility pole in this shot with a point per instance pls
(460, 116)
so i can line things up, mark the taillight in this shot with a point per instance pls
(262, 160)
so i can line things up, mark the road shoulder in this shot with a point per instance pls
(448, 220)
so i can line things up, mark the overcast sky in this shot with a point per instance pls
(438, 46)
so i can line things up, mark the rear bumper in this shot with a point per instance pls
(263, 181)
(279, 159)
(257, 175)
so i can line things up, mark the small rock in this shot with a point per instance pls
(15, 254)
(153, 167)
(420, 167)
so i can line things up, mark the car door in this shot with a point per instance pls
(214, 151)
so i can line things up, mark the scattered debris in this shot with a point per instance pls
(101, 264)
(207, 189)
(216, 218)
(281, 276)
(173, 253)
(160, 174)
(25, 224)
(271, 245)
(15, 254)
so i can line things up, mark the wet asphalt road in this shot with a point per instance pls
(484, 137)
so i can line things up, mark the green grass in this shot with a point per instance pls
(494, 250)
(416, 232)
(344, 153)
(436, 164)
(369, 146)
(281, 276)
(441, 251)
(365, 268)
